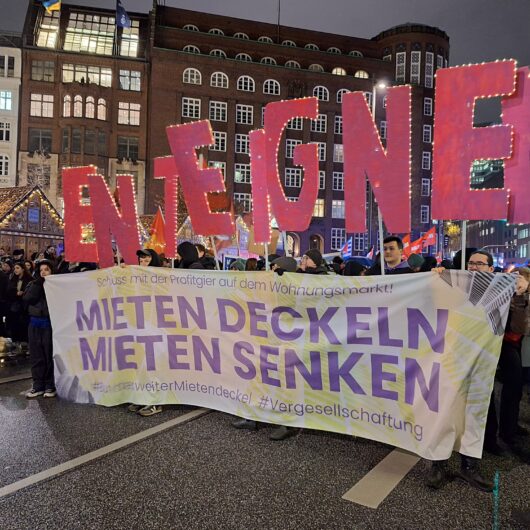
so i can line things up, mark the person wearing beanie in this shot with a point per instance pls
(313, 263)
(188, 256)
(40, 334)
(354, 268)
(238, 265)
(415, 262)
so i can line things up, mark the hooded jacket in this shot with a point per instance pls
(189, 257)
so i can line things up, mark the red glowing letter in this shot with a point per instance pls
(388, 170)
(458, 143)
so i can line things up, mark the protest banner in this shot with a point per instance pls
(368, 356)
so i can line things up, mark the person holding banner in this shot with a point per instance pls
(312, 262)
(393, 251)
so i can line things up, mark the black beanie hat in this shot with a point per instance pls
(315, 255)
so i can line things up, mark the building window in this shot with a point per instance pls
(321, 151)
(190, 27)
(128, 113)
(6, 100)
(290, 144)
(90, 33)
(130, 80)
(429, 69)
(219, 141)
(337, 209)
(320, 125)
(102, 109)
(246, 84)
(190, 48)
(78, 107)
(382, 129)
(240, 35)
(385, 97)
(313, 47)
(426, 160)
(218, 165)
(39, 140)
(321, 93)
(359, 241)
(42, 70)
(48, 30)
(191, 108)
(127, 147)
(267, 40)
(355, 53)
(268, 60)
(368, 97)
(338, 153)
(340, 94)
(242, 173)
(192, 76)
(245, 200)
(129, 40)
(439, 61)
(424, 214)
(242, 144)
(334, 50)
(321, 180)
(427, 106)
(401, 64)
(387, 57)
(5, 131)
(4, 165)
(338, 125)
(271, 87)
(290, 43)
(427, 134)
(245, 57)
(319, 208)
(81, 73)
(338, 71)
(338, 181)
(218, 53)
(361, 74)
(90, 108)
(219, 80)
(292, 64)
(67, 106)
(244, 114)
(293, 177)
(216, 31)
(426, 187)
(338, 238)
(89, 145)
(415, 67)
(218, 110)
(295, 124)
(41, 105)
(316, 68)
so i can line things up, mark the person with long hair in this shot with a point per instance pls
(17, 317)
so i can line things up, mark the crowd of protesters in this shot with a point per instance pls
(25, 319)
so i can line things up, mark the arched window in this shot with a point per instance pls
(218, 53)
(246, 83)
(190, 27)
(268, 40)
(67, 106)
(78, 107)
(321, 92)
(356, 53)
(316, 68)
(244, 57)
(219, 80)
(240, 35)
(271, 87)
(192, 76)
(338, 71)
(268, 60)
(102, 109)
(334, 50)
(292, 64)
(90, 107)
(312, 47)
(190, 48)
(361, 74)
(290, 43)
(4, 165)
(341, 93)
(216, 31)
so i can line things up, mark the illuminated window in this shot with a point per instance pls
(321, 93)
(191, 49)
(130, 80)
(338, 71)
(48, 30)
(319, 208)
(191, 108)
(81, 73)
(337, 209)
(78, 106)
(271, 87)
(128, 113)
(41, 105)
(6, 100)
(338, 153)
(90, 33)
(361, 74)
(90, 107)
(192, 76)
(219, 80)
(102, 109)
(130, 39)
(246, 83)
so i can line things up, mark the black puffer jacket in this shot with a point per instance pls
(189, 257)
(35, 299)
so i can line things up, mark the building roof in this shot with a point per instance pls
(10, 197)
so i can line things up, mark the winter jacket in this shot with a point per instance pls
(401, 268)
(14, 302)
(35, 299)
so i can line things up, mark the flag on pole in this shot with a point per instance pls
(416, 246)
(370, 254)
(52, 5)
(347, 248)
(157, 239)
(429, 238)
(122, 18)
(406, 246)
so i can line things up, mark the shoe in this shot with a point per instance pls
(243, 423)
(149, 410)
(50, 393)
(283, 432)
(32, 394)
(495, 449)
(134, 408)
(470, 473)
(438, 475)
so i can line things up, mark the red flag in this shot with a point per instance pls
(157, 239)
(429, 238)
(406, 246)
(416, 246)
